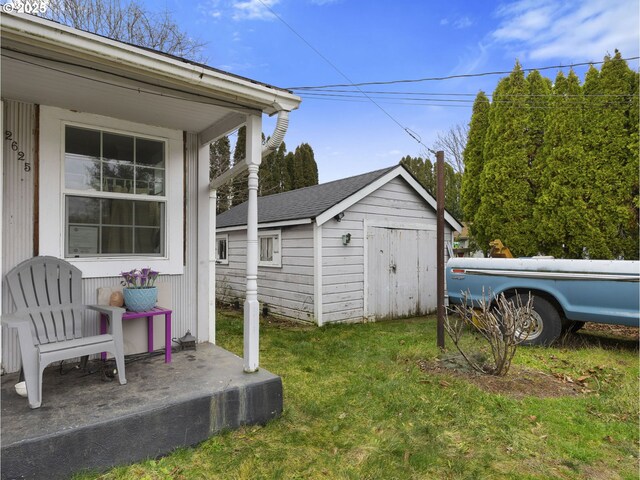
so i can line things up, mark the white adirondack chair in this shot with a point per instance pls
(47, 292)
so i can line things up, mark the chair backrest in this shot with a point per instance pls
(49, 291)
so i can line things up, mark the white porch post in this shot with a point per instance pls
(205, 327)
(213, 201)
(251, 307)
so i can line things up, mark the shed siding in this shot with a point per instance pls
(287, 290)
(18, 231)
(344, 266)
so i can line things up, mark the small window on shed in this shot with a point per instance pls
(269, 249)
(222, 245)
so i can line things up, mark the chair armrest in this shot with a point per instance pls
(14, 321)
(115, 317)
(22, 324)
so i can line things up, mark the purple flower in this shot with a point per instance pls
(139, 278)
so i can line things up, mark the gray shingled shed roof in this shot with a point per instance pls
(308, 202)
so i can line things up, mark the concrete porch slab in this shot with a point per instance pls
(87, 423)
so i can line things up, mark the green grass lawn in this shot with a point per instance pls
(358, 406)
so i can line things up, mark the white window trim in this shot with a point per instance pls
(52, 209)
(226, 238)
(277, 248)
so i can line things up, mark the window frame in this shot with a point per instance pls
(53, 192)
(225, 237)
(277, 248)
(68, 192)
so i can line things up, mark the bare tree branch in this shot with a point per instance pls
(127, 21)
(452, 143)
(503, 326)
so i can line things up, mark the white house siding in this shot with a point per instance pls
(183, 288)
(18, 230)
(343, 267)
(287, 290)
(18, 208)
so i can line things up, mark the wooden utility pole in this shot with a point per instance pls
(440, 245)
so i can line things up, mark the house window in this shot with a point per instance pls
(114, 194)
(222, 245)
(111, 193)
(269, 249)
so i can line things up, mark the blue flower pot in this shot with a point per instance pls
(140, 299)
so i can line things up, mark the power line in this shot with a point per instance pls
(458, 94)
(572, 100)
(448, 77)
(411, 133)
(423, 103)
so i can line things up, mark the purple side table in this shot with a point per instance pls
(149, 316)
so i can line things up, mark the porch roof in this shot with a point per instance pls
(47, 63)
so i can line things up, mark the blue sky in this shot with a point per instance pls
(375, 40)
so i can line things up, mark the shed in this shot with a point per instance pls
(357, 249)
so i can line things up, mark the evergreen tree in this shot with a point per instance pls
(561, 215)
(219, 162)
(633, 127)
(506, 207)
(239, 185)
(280, 168)
(452, 186)
(303, 169)
(538, 107)
(423, 170)
(289, 183)
(613, 168)
(473, 156)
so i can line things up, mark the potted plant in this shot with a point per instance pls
(140, 293)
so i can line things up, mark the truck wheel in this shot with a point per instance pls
(546, 323)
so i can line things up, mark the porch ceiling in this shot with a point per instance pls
(85, 88)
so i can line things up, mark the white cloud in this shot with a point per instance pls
(210, 8)
(253, 9)
(459, 23)
(463, 22)
(574, 29)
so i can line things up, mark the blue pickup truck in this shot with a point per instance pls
(566, 293)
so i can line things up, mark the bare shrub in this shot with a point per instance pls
(503, 325)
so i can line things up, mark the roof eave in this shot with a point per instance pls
(46, 35)
(280, 224)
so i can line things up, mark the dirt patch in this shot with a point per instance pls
(522, 382)
(626, 333)
(519, 383)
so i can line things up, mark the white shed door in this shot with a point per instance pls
(401, 272)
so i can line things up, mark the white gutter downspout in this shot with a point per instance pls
(270, 146)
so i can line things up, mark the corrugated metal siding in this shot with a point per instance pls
(17, 231)
(183, 287)
(18, 204)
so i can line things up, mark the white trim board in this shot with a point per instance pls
(52, 229)
(399, 171)
(317, 274)
(284, 223)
